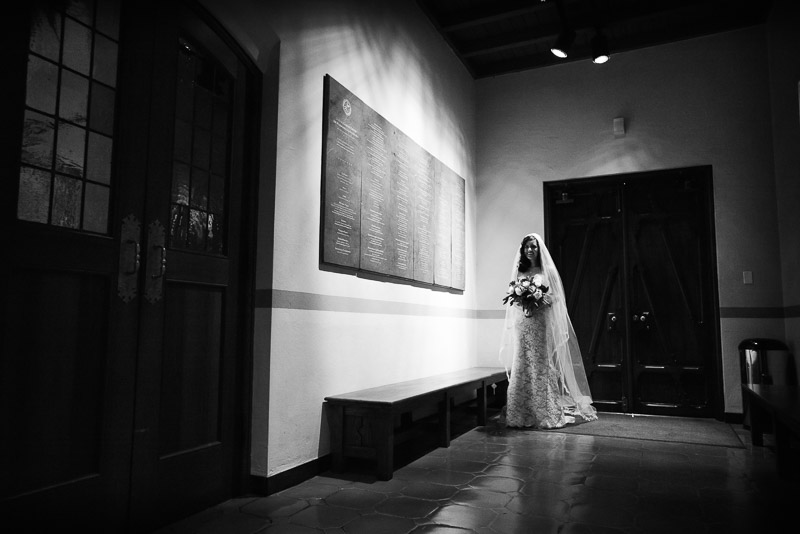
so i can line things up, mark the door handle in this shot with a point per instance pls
(611, 321)
(643, 320)
(162, 269)
(133, 256)
(129, 258)
(156, 262)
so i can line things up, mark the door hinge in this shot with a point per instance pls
(129, 258)
(156, 262)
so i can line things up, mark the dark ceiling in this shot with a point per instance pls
(493, 37)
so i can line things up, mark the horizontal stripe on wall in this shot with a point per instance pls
(298, 300)
(759, 313)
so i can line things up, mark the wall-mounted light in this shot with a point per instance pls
(600, 50)
(564, 41)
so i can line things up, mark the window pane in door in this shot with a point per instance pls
(82, 10)
(98, 158)
(70, 146)
(102, 109)
(105, 61)
(46, 34)
(215, 233)
(196, 240)
(61, 101)
(34, 195)
(216, 194)
(178, 228)
(42, 80)
(77, 46)
(199, 189)
(74, 97)
(108, 18)
(67, 202)
(95, 211)
(37, 140)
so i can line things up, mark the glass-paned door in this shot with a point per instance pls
(68, 340)
(123, 179)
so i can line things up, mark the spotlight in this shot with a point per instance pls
(561, 47)
(600, 51)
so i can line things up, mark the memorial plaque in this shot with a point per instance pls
(458, 231)
(443, 195)
(341, 197)
(403, 178)
(424, 190)
(387, 205)
(376, 252)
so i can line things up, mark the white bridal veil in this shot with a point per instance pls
(562, 345)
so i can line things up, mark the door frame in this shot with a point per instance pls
(249, 240)
(703, 174)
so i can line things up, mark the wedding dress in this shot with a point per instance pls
(547, 381)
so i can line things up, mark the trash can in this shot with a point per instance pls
(765, 361)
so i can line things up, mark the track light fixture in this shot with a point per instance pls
(567, 36)
(564, 41)
(600, 50)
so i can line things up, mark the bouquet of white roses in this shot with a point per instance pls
(528, 292)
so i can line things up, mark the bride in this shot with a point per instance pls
(547, 385)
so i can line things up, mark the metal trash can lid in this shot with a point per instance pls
(762, 344)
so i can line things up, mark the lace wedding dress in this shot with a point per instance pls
(547, 387)
(533, 398)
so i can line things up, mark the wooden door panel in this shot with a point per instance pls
(587, 249)
(53, 385)
(190, 378)
(670, 287)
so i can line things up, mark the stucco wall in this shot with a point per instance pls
(703, 101)
(328, 332)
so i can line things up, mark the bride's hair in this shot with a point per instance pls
(524, 262)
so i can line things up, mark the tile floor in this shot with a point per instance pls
(493, 480)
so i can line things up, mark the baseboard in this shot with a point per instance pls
(264, 486)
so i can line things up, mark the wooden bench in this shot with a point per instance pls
(778, 407)
(362, 422)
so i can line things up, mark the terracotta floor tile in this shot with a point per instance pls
(494, 480)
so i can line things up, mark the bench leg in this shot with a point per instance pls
(444, 421)
(383, 426)
(336, 428)
(787, 464)
(757, 416)
(482, 404)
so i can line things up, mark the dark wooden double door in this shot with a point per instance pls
(636, 254)
(124, 174)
